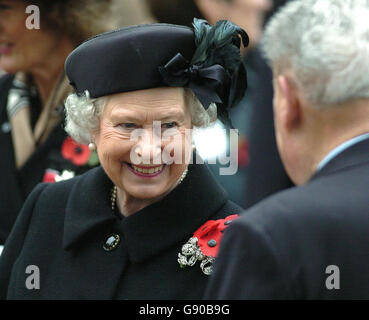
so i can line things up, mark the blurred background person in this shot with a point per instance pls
(265, 172)
(252, 181)
(248, 14)
(33, 144)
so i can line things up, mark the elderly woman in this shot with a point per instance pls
(33, 144)
(146, 224)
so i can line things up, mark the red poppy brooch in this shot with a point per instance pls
(204, 244)
(75, 152)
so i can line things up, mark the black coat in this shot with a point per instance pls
(284, 246)
(63, 227)
(16, 185)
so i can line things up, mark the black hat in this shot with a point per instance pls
(205, 59)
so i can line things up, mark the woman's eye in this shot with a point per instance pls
(170, 125)
(128, 125)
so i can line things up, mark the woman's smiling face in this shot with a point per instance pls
(127, 114)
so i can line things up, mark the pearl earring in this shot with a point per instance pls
(92, 146)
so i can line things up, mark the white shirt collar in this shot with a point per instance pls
(336, 151)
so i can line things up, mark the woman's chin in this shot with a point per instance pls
(145, 192)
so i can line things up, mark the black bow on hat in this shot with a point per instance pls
(205, 82)
(216, 73)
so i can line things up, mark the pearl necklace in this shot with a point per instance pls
(114, 191)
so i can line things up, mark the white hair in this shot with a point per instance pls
(83, 113)
(325, 44)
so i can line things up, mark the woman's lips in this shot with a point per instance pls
(5, 47)
(146, 172)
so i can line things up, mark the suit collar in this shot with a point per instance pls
(177, 215)
(355, 155)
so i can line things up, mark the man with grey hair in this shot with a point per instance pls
(311, 241)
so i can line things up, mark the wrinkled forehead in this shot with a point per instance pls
(162, 101)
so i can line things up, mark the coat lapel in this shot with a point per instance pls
(88, 222)
(88, 207)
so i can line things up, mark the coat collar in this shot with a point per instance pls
(355, 155)
(155, 227)
(88, 206)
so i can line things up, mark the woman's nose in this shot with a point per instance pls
(149, 147)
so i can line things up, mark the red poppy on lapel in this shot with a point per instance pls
(204, 244)
(210, 234)
(75, 152)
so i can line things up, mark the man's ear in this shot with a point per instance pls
(291, 108)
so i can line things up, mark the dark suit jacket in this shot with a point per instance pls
(282, 248)
(63, 227)
(16, 184)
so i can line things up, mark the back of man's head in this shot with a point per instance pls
(325, 43)
(319, 53)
